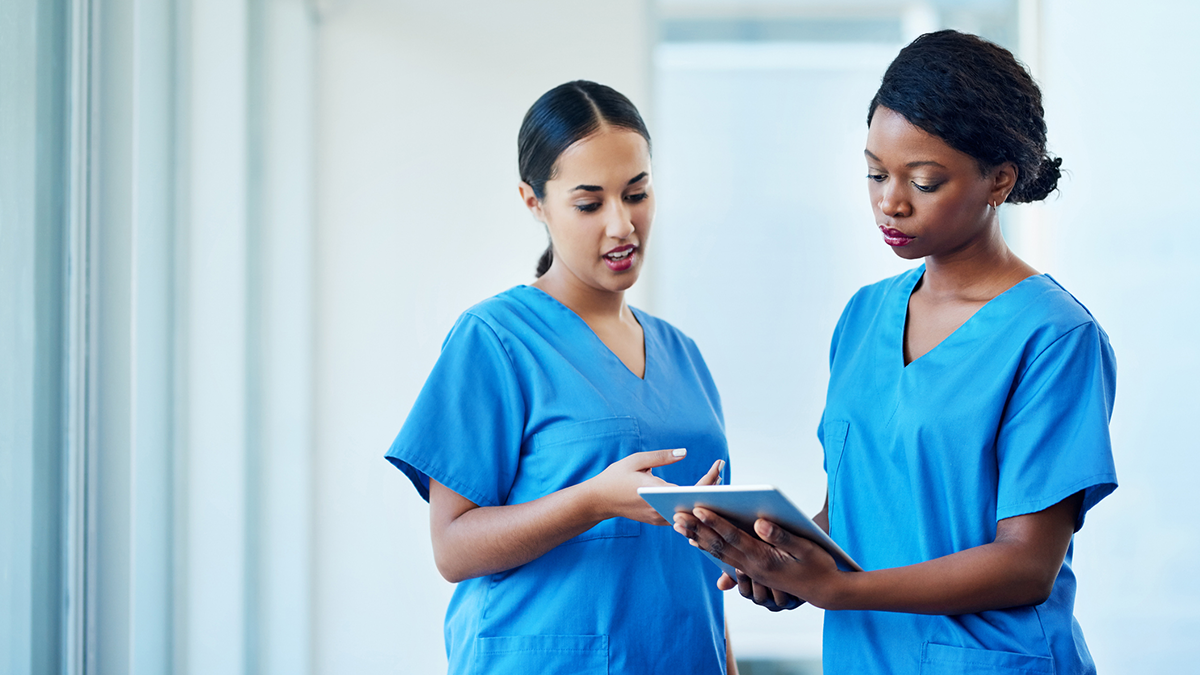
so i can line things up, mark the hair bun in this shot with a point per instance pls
(1040, 187)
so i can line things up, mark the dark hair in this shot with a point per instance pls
(562, 117)
(980, 100)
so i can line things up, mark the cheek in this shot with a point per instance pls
(563, 231)
(643, 214)
(874, 193)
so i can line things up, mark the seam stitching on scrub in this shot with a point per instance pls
(1037, 359)
(492, 330)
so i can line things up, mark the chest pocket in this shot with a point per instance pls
(569, 454)
(833, 436)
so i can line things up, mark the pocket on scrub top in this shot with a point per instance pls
(542, 654)
(833, 436)
(569, 454)
(946, 660)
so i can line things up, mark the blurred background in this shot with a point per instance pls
(233, 234)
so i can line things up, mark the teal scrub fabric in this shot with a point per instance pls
(1008, 416)
(525, 400)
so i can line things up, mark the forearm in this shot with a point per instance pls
(1018, 568)
(490, 539)
(992, 576)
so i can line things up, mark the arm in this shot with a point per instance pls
(1018, 568)
(472, 541)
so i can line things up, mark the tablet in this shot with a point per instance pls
(742, 505)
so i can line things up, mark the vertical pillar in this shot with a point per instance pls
(213, 420)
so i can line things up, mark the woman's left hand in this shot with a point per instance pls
(778, 572)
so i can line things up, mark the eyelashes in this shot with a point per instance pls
(591, 207)
(880, 177)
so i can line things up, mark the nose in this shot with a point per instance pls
(892, 201)
(620, 223)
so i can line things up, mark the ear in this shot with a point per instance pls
(531, 201)
(1004, 179)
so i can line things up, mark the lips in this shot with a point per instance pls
(621, 258)
(894, 237)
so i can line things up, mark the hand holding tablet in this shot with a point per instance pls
(742, 505)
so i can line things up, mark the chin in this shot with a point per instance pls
(621, 282)
(907, 253)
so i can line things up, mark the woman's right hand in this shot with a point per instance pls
(615, 488)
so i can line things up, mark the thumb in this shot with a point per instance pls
(774, 534)
(653, 458)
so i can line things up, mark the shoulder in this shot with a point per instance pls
(496, 324)
(511, 314)
(866, 303)
(1047, 312)
(510, 307)
(1048, 302)
(872, 296)
(1049, 333)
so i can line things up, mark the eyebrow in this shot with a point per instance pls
(911, 165)
(597, 188)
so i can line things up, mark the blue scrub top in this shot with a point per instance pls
(526, 400)
(1007, 416)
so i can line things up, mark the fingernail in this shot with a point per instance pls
(720, 466)
(679, 452)
(767, 530)
(702, 515)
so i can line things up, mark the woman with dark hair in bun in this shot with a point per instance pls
(966, 421)
(549, 406)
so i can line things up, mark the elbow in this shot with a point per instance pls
(1036, 588)
(446, 567)
(1041, 590)
(453, 576)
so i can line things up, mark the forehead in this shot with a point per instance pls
(611, 153)
(893, 139)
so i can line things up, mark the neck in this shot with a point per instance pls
(589, 303)
(980, 270)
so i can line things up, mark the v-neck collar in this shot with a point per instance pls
(906, 297)
(604, 348)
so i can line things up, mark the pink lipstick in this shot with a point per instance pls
(893, 237)
(621, 258)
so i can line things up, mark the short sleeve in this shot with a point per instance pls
(1054, 437)
(466, 426)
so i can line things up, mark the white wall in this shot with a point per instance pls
(418, 218)
(1121, 91)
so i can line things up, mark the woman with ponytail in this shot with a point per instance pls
(550, 405)
(966, 421)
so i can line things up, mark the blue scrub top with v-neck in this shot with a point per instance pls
(1007, 416)
(526, 400)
